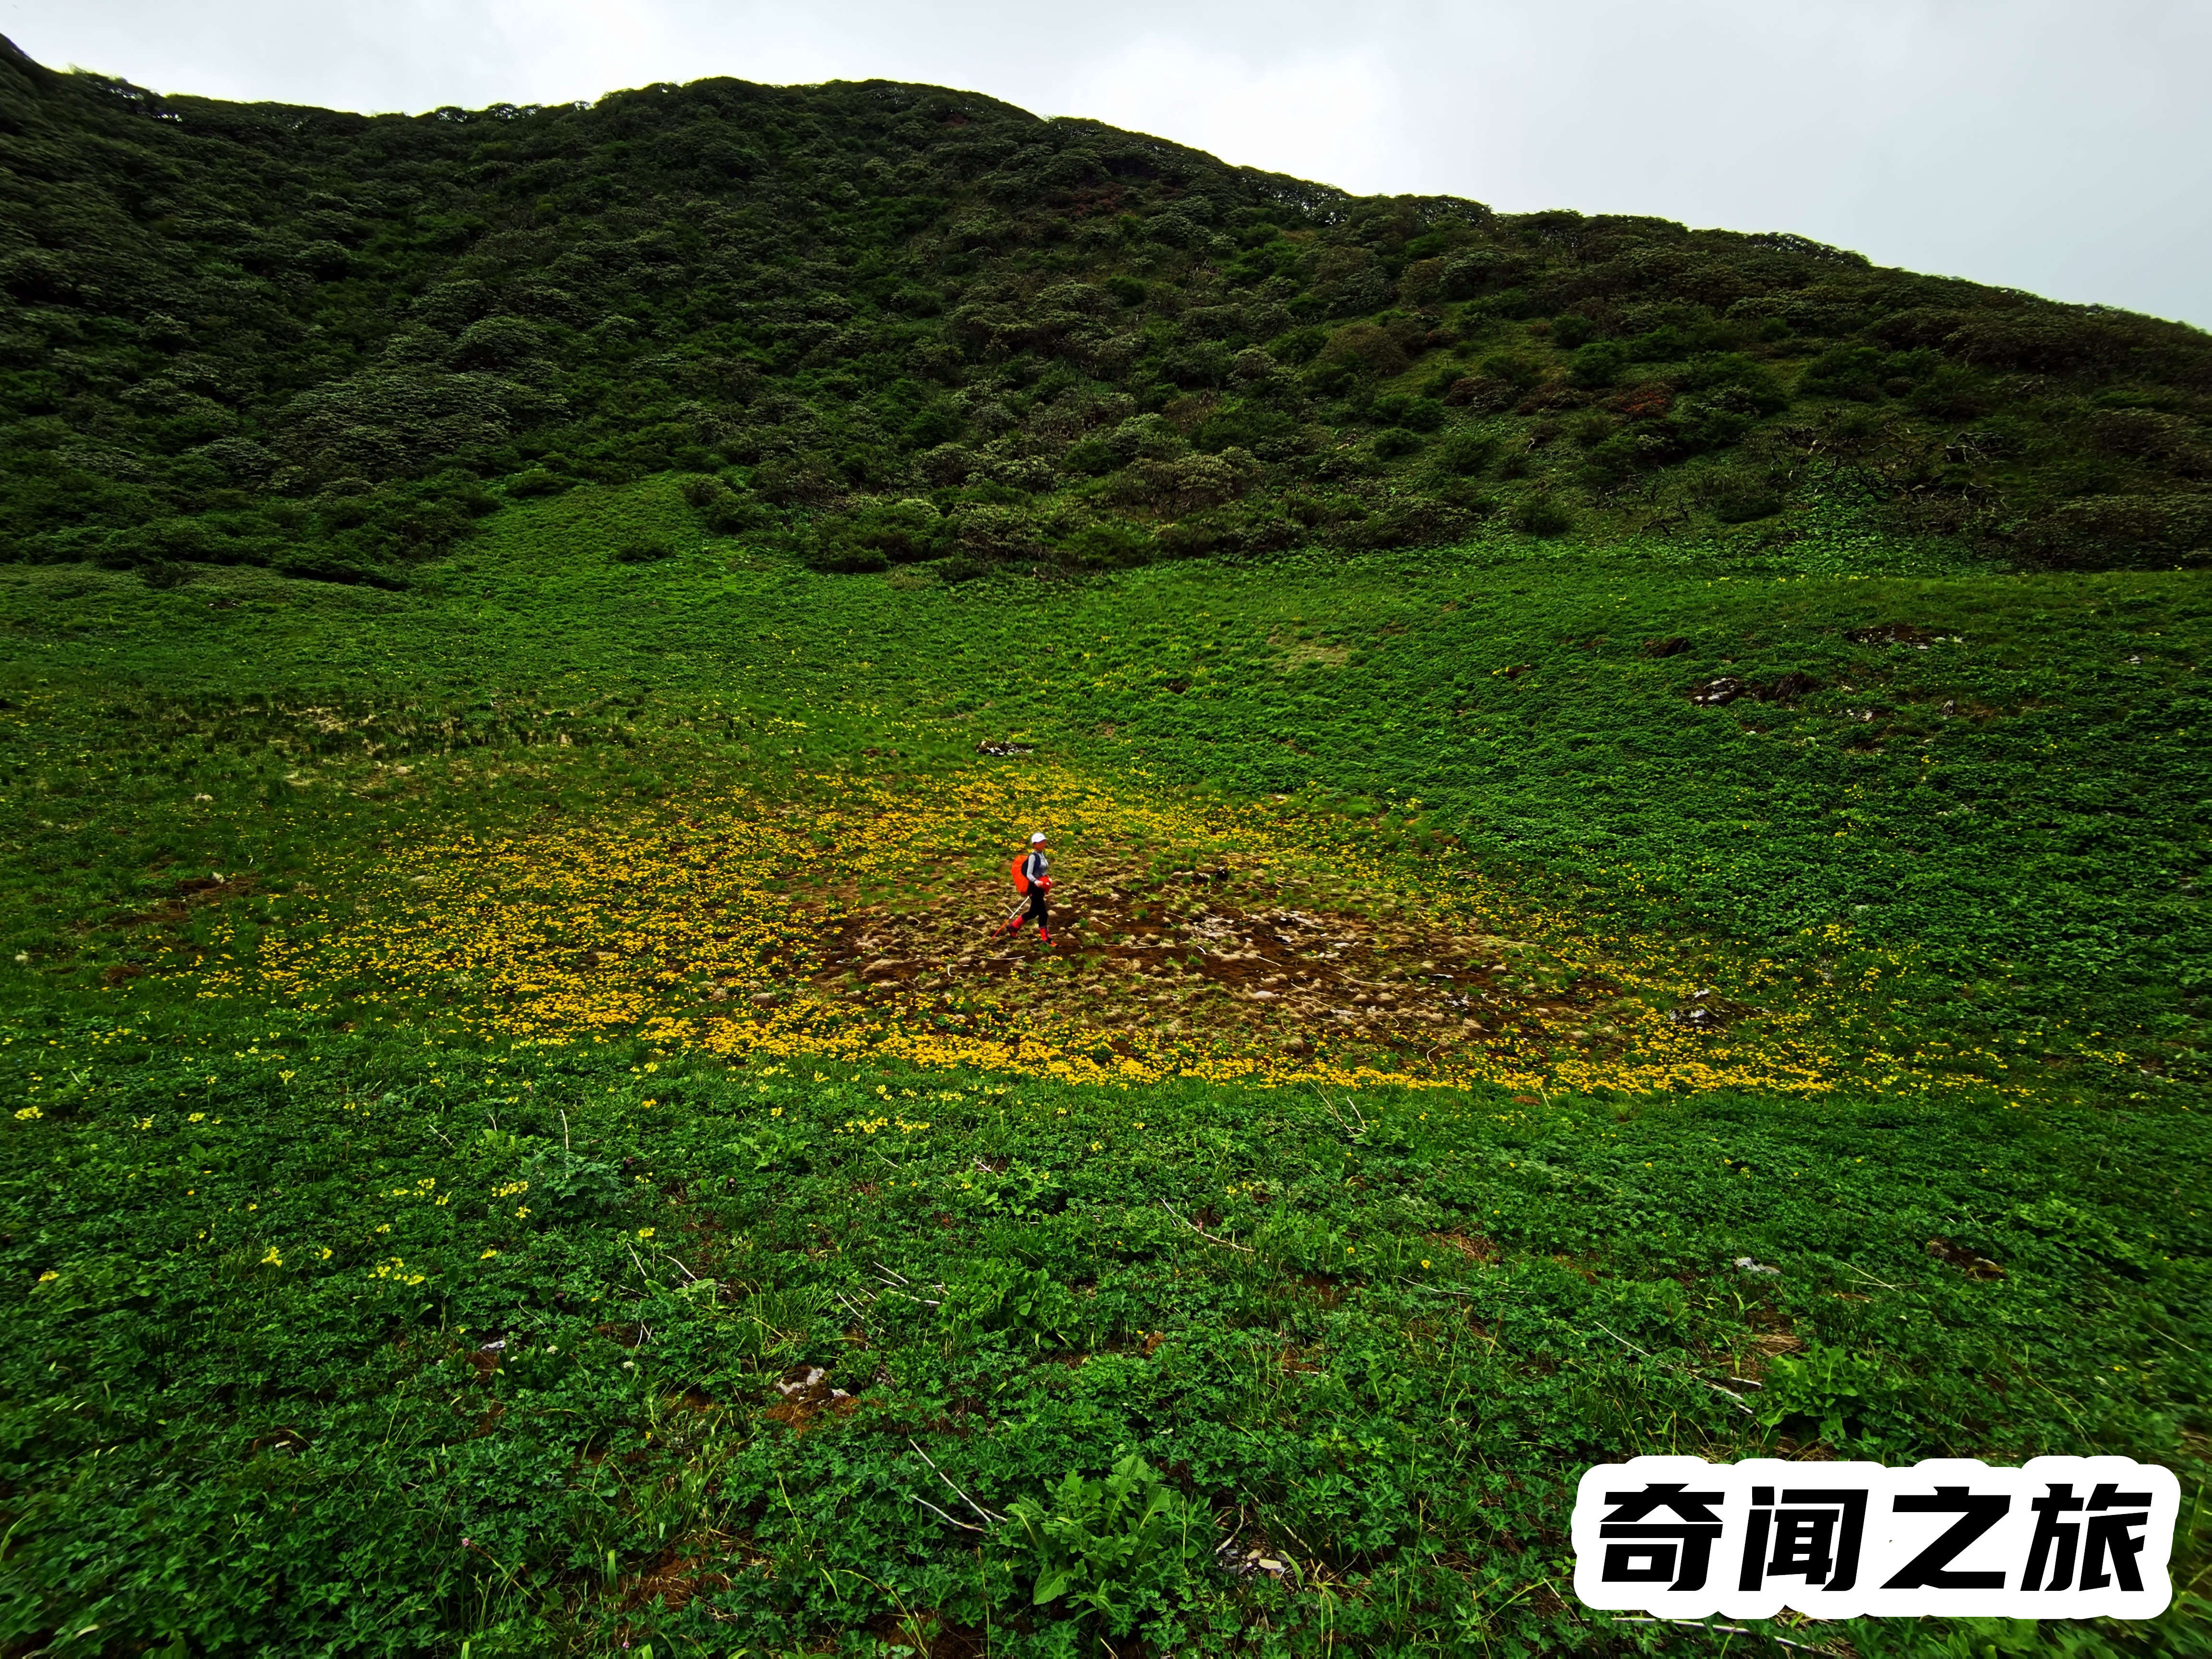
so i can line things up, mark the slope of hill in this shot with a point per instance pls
(883, 323)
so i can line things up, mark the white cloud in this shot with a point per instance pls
(1335, 118)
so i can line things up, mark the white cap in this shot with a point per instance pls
(1037, 837)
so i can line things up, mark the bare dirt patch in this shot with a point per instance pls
(1295, 653)
(1210, 950)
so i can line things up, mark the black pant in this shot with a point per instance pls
(1036, 913)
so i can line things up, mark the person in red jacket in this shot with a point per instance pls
(1032, 876)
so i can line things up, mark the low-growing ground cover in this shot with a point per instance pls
(328, 1343)
(339, 916)
(1990, 797)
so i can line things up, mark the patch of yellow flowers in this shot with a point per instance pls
(701, 928)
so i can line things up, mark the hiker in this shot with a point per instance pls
(1032, 877)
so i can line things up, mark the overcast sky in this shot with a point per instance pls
(2053, 145)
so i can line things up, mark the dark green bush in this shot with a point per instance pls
(1613, 460)
(804, 483)
(1112, 543)
(1201, 534)
(498, 341)
(1367, 349)
(1598, 364)
(846, 558)
(1591, 427)
(1517, 369)
(1752, 501)
(1300, 346)
(1463, 453)
(1844, 371)
(1393, 442)
(325, 563)
(1266, 432)
(1541, 515)
(1422, 413)
(1756, 389)
(1092, 457)
(903, 532)
(1661, 345)
(830, 287)
(939, 423)
(1953, 393)
(729, 514)
(1697, 424)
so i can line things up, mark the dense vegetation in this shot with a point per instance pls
(885, 324)
(1647, 902)
(1422, 1310)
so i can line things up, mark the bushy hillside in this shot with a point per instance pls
(885, 323)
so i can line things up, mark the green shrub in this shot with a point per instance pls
(537, 481)
(1394, 442)
(1112, 543)
(1300, 346)
(497, 341)
(642, 551)
(1199, 534)
(729, 513)
(1697, 424)
(323, 562)
(1540, 515)
(1335, 377)
(1439, 385)
(1516, 369)
(1599, 363)
(1850, 1399)
(1246, 426)
(1571, 329)
(1415, 414)
(1844, 371)
(1759, 392)
(1611, 462)
(1003, 1298)
(1119, 1549)
(1463, 453)
(904, 532)
(1661, 345)
(1953, 393)
(939, 423)
(1743, 505)
(794, 483)
(1367, 349)
(1591, 427)
(1145, 437)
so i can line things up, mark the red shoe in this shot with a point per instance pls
(1046, 937)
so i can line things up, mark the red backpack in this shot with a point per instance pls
(1021, 881)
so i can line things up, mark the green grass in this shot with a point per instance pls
(1424, 1316)
(207, 1450)
(2030, 860)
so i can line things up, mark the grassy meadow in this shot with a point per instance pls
(522, 1138)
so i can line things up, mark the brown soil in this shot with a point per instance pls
(1211, 952)
(185, 896)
